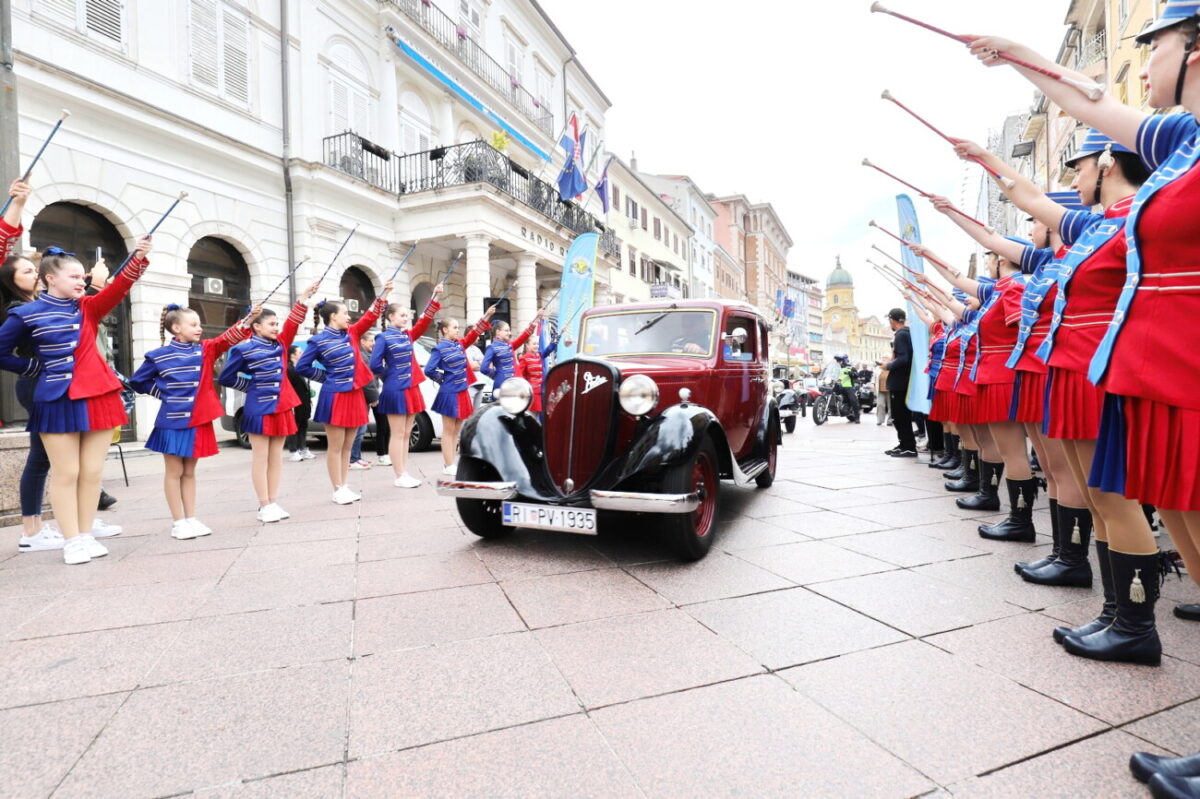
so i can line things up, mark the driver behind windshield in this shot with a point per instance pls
(697, 334)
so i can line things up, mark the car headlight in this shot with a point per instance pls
(638, 394)
(514, 395)
(777, 387)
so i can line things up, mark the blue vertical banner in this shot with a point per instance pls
(918, 382)
(578, 291)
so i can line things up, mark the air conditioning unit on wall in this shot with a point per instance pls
(352, 306)
(214, 285)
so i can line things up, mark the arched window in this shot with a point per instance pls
(467, 133)
(81, 230)
(220, 289)
(358, 292)
(420, 297)
(416, 132)
(349, 92)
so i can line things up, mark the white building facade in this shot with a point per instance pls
(690, 203)
(653, 236)
(290, 123)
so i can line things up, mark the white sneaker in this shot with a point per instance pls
(451, 469)
(94, 548)
(102, 529)
(360, 464)
(344, 496)
(279, 509)
(308, 456)
(385, 460)
(45, 539)
(75, 551)
(406, 480)
(183, 531)
(296, 456)
(269, 513)
(199, 525)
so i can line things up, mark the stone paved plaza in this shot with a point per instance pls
(849, 635)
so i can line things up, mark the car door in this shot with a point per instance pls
(741, 374)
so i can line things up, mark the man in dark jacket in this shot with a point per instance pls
(899, 369)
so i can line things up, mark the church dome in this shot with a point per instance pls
(839, 277)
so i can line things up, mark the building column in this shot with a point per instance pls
(479, 276)
(446, 120)
(527, 299)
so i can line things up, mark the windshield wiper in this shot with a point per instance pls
(655, 320)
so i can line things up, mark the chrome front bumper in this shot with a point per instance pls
(644, 503)
(476, 489)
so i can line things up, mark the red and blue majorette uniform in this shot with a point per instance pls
(499, 363)
(1147, 360)
(341, 402)
(9, 236)
(992, 335)
(181, 375)
(532, 367)
(937, 354)
(76, 390)
(948, 404)
(1029, 392)
(1089, 282)
(449, 368)
(258, 367)
(395, 361)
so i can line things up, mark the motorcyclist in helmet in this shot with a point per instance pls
(842, 376)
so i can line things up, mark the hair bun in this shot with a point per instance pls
(173, 307)
(321, 304)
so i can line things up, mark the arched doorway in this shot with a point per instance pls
(220, 289)
(358, 292)
(421, 293)
(81, 230)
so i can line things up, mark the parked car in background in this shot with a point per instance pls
(664, 400)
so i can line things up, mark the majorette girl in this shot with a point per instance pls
(499, 363)
(341, 406)
(180, 375)
(395, 360)
(258, 367)
(449, 368)
(1105, 274)
(77, 400)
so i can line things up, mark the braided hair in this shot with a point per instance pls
(170, 317)
(442, 326)
(387, 314)
(322, 312)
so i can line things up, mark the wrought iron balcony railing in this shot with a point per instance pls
(1092, 50)
(456, 39)
(460, 165)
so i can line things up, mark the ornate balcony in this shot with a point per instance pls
(457, 41)
(460, 165)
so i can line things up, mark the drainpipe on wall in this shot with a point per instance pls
(566, 110)
(286, 154)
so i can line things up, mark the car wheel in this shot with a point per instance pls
(243, 438)
(481, 516)
(421, 437)
(767, 476)
(821, 410)
(789, 424)
(691, 533)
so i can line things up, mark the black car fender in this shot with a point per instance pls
(510, 444)
(671, 438)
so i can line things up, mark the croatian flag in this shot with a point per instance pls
(571, 181)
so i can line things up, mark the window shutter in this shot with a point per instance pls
(64, 11)
(103, 18)
(362, 114)
(339, 108)
(235, 55)
(616, 196)
(203, 40)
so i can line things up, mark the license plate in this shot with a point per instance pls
(549, 517)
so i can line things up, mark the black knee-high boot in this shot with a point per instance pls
(988, 497)
(949, 459)
(968, 479)
(1108, 611)
(1072, 568)
(1133, 637)
(1019, 524)
(1040, 562)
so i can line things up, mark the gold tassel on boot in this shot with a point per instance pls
(1076, 538)
(995, 479)
(1021, 502)
(1137, 591)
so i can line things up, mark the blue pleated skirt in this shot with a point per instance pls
(1109, 463)
(191, 442)
(66, 415)
(455, 404)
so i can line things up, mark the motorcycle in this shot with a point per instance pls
(866, 397)
(788, 401)
(829, 403)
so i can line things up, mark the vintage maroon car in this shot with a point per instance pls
(663, 400)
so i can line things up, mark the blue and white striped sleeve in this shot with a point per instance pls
(1161, 135)
(1075, 223)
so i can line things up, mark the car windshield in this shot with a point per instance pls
(653, 332)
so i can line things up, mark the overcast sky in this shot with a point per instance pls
(780, 101)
